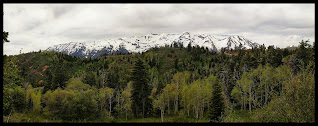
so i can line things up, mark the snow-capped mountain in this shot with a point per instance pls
(137, 44)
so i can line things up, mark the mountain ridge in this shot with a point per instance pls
(137, 44)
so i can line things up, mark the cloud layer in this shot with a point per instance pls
(38, 26)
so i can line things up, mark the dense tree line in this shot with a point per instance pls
(188, 82)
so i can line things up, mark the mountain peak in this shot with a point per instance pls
(186, 33)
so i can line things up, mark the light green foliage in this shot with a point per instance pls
(7, 101)
(36, 99)
(118, 104)
(78, 101)
(296, 103)
(153, 94)
(196, 96)
(259, 86)
(282, 75)
(126, 99)
(13, 99)
(106, 96)
(10, 72)
(169, 93)
(76, 84)
(236, 94)
(244, 86)
(33, 99)
(54, 102)
(47, 99)
(280, 95)
(180, 79)
(267, 82)
(185, 99)
(160, 103)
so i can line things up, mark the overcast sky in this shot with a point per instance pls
(39, 26)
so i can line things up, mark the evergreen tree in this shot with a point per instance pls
(60, 75)
(294, 63)
(113, 78)
(303, 51)
(272, 56)
(176, 64)
(141, 90)
(49, 81)
(217, 104)
(285, 52)
(189, 47)
(90, 78)
(175, 45)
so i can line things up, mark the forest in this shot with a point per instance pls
(164, 84)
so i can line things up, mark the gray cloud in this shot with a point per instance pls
(38, 26)
(61, 10)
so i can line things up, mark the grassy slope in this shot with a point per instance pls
(238, 116)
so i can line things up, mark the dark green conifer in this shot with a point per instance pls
(217, 103)
(141, 90)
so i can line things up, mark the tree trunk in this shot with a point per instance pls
(118, 104)
(101, 106)
(196, 112)
(9, 117)
(143, 108)
(110, 107)
(177, 100)
(126, 114)
(262, 99)
(175, 107)
(266, 94)
(250, 98)
(162, 114)
(168, 105)
(242, 101)
(200, 113)
(225, 80)
(193, 111)
(185, 107)
(245, 105)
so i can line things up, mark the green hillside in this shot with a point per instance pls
(265, 84)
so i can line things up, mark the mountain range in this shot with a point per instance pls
(135, 44)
